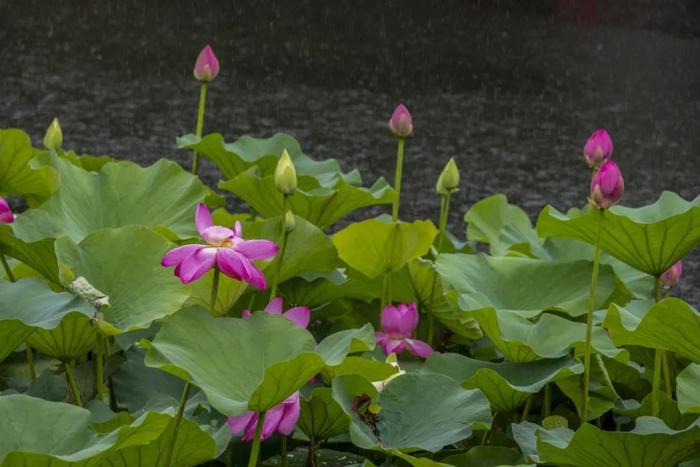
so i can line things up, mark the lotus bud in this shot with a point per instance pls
(598, 148)
(448, 181)
(6, 216)
(206, 68)
(286, 175)
(289, 221)
(607, 185)
(672, 275)
(401, 123)
(53, 139)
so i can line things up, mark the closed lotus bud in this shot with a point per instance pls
(289, 222)
(598, 148)
(206, 68)
(286, 175)
(401, 123)
(53, 139)
(607, 185)
(448, 181)
(672, 275)
(6, 216)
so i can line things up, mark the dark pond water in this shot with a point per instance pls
(512, 89)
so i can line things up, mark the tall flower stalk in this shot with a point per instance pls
(401, 125)
(658, 360)
(285, 179)
(206, 68)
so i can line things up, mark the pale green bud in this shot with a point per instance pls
(53, 139)
(289, 221)
(448, 181)
(286, 175)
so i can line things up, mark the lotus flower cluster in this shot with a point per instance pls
(6, 216)
(598, 148)
(398, 324)
(225, 248)
(672, 275)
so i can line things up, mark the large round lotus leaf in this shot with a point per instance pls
(486, 456)
(239, 363)
(124, 264)
(688, 389)
(57, 324)
(650, 444)
(507, 385)
(416, 411)
(161, 196)
(17, 175)
(39, 433)
(550, 336)
(651, 238)
(321, 416)
(321, 204)
(374, 247)
(39, 255)
(523, 286)
(671, 324)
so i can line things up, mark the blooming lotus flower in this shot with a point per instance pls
(6, 216)
(281, 418)
(299, 315)
(401, 122)
(672, 275)
(224, 248)
(607, 185)
(398, 324)
(206, 68)
(598, 148)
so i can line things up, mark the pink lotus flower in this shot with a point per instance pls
(607, 185)
(281, 418)
(206, 68)
(401, 122)
(225, 248)
(672, 275)
(6, 216)
(299, 315)
(598, 148)
(398, 323)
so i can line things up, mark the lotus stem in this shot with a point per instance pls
(667, 373)
(176, 425)
(214, 291)
(442, 226)
(397, 178)
(526, 410)
(547, 403)
(589, 321)
(99, 350)
(255, 449)
(30, 355)
(283, 460)
(200, 124)
(658, 361)
(283, 246)
(8, 271)
(75, 392)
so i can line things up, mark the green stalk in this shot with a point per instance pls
(255, 450)
(442, 226)
(30, 355)
(10, 276)
(214, 291)
(547, 403)
(176, 427)
(200, 124)
(284, 452)
(658, 361)
(73, 385)
(397, 178)
(283, 246)
(526, 410)
(667, 373)
(589, 322)
(99, 349)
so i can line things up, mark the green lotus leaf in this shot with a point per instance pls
(161, 196)
(523, 286)
(650, 444)
(308, 249)
(550, 336)
(688, 382)
(57, 324)
(70, 439)
(651, 238)
(321, 204)
(602, 395)
(374, 247)
(318, 289)
(124, 264)
(85, 161)
(506, 385)
(17, 175)
(321, 416)
(240, 364)
(335, 347)
(39, 255)
(371, 370)
(407, 419)
(485, 456)
(669, 411)
(247, 151)
(527, 434)
(671, 324)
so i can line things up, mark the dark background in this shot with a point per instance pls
(511, 89)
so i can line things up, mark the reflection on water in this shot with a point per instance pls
(511, 91)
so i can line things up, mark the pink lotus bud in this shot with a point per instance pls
(672, 275)
(206, 68)
(598, 148)
(607, 185)
(401, 123)
(6, 216)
